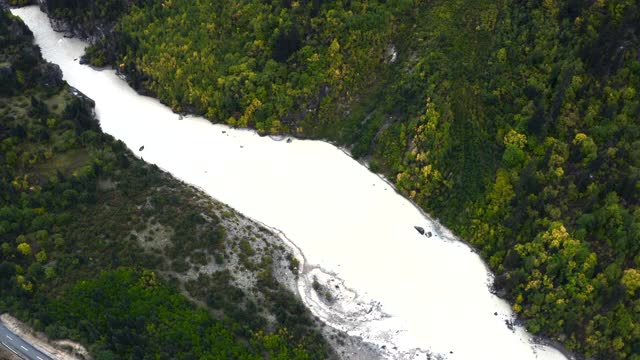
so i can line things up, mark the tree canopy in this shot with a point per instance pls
(514, 122)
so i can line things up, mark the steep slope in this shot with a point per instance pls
(514, 122)
(98, 246)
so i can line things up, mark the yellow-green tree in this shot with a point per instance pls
(24, 249)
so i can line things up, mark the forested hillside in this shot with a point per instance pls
(514, 122)
(102, 248)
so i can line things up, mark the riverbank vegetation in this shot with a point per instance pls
(100, 247)
(514, 122)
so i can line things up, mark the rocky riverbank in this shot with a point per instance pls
(220, 259)
(91, 31)
(288, 267)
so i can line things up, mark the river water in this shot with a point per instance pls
(413, 294)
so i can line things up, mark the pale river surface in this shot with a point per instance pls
(408, 291)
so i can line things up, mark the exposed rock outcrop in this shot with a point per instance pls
(90, 31)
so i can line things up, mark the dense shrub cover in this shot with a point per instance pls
(76, 209)
(514, 122)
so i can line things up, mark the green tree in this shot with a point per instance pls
(24, 249)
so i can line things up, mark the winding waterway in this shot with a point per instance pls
(394, 287)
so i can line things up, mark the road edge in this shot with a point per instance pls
(58, 349)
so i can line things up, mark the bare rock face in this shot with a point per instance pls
(57, 25)
(89, 32)
(51, 75)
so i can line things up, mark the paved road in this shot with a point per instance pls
(20, 347)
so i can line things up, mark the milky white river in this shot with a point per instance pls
(413, 294)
